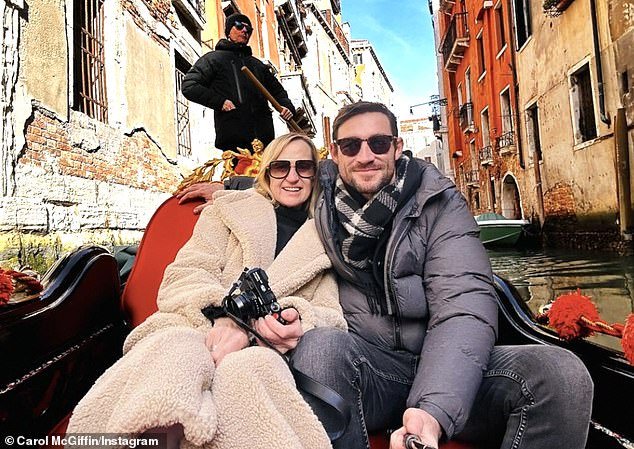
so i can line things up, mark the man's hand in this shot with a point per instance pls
(224, 338)
(283, 337)
(286, 114)
(200, 190)
(228, 106)
(417, 422)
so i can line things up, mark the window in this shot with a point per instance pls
(459, 92)
(499, 26)
(358, 59)
(481, 61)
(507, 112)
(506, 140)
(522, 21)
(532, 132)
(467, 84)
(89, 89)
(484, 118)
(184, 146)
(582, 102)
(476, 201)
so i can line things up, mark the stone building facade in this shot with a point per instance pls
(89, 143)
(574, 62)
(420, 138)
(479, 84)
(370, 76)
(95, 131)
(547, 81)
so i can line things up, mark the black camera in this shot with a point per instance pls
(255, 300)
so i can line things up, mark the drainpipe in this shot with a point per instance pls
(622, 171)
(597, 55)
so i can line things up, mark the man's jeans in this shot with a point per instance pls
(531, 397)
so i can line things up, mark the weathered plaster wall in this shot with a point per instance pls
(12, 95)
(578, 180)
(621, 22)
(44, 54)
(68, 179)
(149, 88)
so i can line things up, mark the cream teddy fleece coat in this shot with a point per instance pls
(167, 374)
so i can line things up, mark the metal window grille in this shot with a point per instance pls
(90, 72)
(182, 118)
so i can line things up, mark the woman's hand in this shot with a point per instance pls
(283, 337)
(224, 338)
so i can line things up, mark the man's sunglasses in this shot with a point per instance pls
(379, 144)
(240, 25)
(280, 169)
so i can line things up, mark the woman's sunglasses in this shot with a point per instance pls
(379, 144)
(240, 25)
(280, 169)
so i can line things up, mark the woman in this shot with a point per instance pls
(183, 373)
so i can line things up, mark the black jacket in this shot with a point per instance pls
(217, 77)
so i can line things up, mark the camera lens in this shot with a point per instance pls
(241, 306)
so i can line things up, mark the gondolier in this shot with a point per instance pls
(241, 111)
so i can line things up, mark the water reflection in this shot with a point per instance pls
(542, 275)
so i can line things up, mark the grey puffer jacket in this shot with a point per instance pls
(438, 280)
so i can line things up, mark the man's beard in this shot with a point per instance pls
(370, 187)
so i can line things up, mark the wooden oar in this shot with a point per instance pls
(278, 107)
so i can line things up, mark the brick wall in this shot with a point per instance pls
(559, 202)
(131, 160)
(79, 182)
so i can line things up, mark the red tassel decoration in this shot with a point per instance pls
(627, 341)
(6, 287)
(566, 312)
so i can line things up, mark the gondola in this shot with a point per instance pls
(54, 347)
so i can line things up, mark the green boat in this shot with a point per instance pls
(497, 230)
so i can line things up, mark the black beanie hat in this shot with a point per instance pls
(232, 19)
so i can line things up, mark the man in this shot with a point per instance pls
(241, 112)
(416, 288)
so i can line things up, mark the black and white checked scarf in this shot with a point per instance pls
(363, 225)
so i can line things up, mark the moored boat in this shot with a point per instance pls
(497, 230)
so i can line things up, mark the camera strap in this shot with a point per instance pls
(308, 385)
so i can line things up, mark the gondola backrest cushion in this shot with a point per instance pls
(167, 231)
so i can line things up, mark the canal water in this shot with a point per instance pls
(542, 275)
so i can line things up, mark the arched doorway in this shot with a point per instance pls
(511, 203)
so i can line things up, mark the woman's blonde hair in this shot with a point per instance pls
(271, 153)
